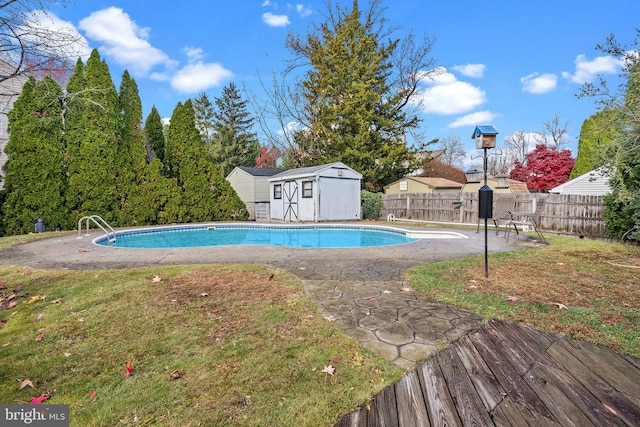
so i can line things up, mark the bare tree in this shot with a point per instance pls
(30, 41)
(452, 151)
(517, 145)
(554, 132)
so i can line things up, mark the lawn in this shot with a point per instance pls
(242, 345)
(207, 345)
(583, 289)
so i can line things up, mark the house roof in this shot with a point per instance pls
(517, 186)
(432, 182)
(261, 171)
(594, 183)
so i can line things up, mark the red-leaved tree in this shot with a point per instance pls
(544, 168)
(267, 157)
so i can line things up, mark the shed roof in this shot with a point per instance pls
(261, 171)
(517, 186)
(311, 170)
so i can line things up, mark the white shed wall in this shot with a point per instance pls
(339, 199)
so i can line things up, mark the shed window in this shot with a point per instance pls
(307, 189)
(277, 191)
(404, 185)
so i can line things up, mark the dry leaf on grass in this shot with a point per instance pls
(512, 299)
(38, 400)
(559, 305)
(157, 279)
(129, 369)
(92, 394)
(204, 294)
(39, 337)
(329, 370)
(34, 299)
(26, 383)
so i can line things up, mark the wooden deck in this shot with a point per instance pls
(505, 374)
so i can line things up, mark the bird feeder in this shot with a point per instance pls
(485, 136)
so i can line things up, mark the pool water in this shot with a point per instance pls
(298, 236)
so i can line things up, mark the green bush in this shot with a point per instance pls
(371, 204)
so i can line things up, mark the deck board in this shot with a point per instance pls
(506, 374)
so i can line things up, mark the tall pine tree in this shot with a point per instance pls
(154, 134)
(92, 181)
(205, 194)
(35, 178)
(352, 114)
(233, 143)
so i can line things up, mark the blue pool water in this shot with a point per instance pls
(219, 235)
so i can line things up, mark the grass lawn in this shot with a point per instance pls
(583, 289)
(241, 345)
(208, 345)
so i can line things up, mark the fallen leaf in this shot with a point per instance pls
(12, 304)
(204, 294)
(330, 318)
(128, 368)
(7, 344)
(372, 301)
(335, 360)
(406, 289)
(559, 263)
(609, 322)
(610, 409)
(39, 337)
(386, 292)
(559, 305)
(67, 354)
(92, 394)
(13, 313)
(309, 316)
(512, 299)
(473, 287)
(271, 277)
(473, 281)
(157, 279)
(40, 316)
(34, 299)
(174, 375)
(56, 301)
(26, 383)
(329, 370)
(38, 400)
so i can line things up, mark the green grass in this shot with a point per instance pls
(249, 353)
(602, 299)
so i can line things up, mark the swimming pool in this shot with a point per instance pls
(312, 236)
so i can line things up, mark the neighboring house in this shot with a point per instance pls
(252, 186)
(415, 184)
(593, 183)
(328, 192)
(499, 184)
(10, 89)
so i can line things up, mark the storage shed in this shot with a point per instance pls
(252, 186)
(421, 184)
(319, 193)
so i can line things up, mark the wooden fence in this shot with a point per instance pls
(578, 215)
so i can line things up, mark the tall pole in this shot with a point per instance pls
(486, 248)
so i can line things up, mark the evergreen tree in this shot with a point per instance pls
(205, 194)
(203, 110)
(92, 181)
(35, 179)
(233, 142)
(72, 125)
(154, 133)
(596, 136)
(351, 112)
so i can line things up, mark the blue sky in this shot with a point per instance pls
(513, 64)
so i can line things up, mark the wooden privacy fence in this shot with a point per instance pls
(578, 215)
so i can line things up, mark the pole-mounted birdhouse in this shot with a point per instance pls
(485, 136)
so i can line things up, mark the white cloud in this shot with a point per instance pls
(446, 95)
(123, 40)
(471, 70)
(477, 118)
(303, 11)
(194, 53)
(274, 20)
(586, 70)
(199, 76)
(539, 83)
(50, 23)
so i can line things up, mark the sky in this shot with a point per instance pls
(511, 64)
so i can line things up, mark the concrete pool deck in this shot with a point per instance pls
(361, 289)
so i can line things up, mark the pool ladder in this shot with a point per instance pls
(104, 226)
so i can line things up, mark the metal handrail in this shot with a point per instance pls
(97, 220)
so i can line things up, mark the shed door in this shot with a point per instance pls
(290, 198)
